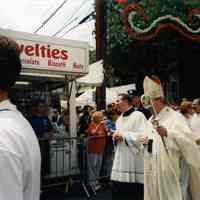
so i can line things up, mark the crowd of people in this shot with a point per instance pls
(156, 153)
(155, 144)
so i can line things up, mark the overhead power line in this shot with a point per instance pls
(80, 22)
(60, 30)
(70, 29)
(48, 19)
(70, 19)
(87, 17)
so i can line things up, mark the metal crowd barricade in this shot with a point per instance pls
(66, 160)
(57, 159)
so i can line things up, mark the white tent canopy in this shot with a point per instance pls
(88, 97)
(123, 88)
(95, 76)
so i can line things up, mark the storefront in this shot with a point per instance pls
(51, 63)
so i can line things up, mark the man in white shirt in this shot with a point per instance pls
(19, 150)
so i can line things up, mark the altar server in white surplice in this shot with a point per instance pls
(128, 171)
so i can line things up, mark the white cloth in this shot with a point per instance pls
(162, 170)
(184, 168)
(195, 124)
(128, 164)
(19, 156)
(193, 134)
(184, 179)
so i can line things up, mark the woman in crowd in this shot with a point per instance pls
(97, 133)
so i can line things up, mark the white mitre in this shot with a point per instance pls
(152, 87)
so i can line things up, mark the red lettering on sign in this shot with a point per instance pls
(55, 53)
(29, 50)
(64, 54)
(44, 51)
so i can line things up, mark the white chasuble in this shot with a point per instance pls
(162, 167)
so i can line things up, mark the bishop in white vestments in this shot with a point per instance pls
(171, 142)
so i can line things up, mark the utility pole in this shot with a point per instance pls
(101, 27)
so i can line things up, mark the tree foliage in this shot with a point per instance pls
(92, 56)
(131, 58)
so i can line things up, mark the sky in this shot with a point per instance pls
(29, 15)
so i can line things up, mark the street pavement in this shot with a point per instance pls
(77, 194)
(101, 195)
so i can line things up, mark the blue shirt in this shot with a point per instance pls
(110, 125)
(41, 125)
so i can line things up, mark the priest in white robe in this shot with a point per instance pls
(172, 142)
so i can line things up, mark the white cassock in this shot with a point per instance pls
(162, 170)
(128, 164)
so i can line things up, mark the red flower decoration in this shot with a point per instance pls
(121, 1)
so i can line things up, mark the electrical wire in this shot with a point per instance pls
(80, 23)
(68, 23)
(50, 17)
(60, 30)
(69, 30)
(47, 11)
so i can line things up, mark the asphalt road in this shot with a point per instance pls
(76, 194)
